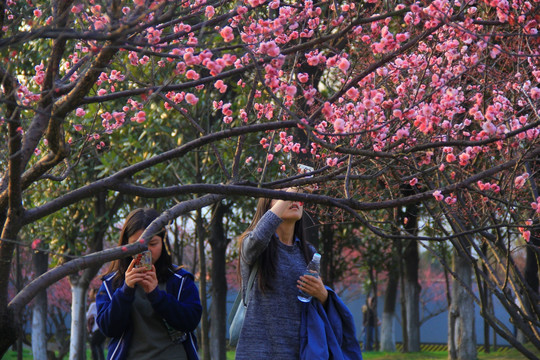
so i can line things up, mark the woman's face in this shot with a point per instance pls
(155, 244)
(293, 212)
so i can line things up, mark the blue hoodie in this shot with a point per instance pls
(180, 306)
(328, 332)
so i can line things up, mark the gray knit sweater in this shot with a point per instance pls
(272, 324)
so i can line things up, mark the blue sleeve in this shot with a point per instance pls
(183, 314)
(114, 311)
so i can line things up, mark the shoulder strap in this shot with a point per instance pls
(239, 298)
(251, 280)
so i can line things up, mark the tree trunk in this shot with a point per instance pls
(39, 313)
(411, 288)
(10, 323)
(205, 343)
(403, 306)
(77, 345)
(412, 296)
(388, 341)
(218, 307)
(328, 267)
(462, 310)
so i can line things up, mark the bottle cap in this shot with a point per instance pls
(316, 257)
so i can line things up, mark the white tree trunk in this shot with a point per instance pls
(39, 332)
(39, 312)
(77, 344)
(388, 341)
(462, 311)
(413, 315)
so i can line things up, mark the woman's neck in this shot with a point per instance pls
(285, 232)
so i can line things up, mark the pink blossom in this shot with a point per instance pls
(343, 65)
(99, 25)
(481, 185)
(536, 205)
(192, 75)
(489, 128)
(249, 159)
(144, 60)
(402, 134)
(450, 200)
(438, 196)
(270, 48)
(520, 180)
(80, 112)
(353, 93)
(303, 77)
(402, 37)
(270, 157)
(140, 117)
(290, 91)
(35, 244)
(101, 92)
(139, 2)
(220, 85)
(76, 9)
(331, 161)
(464, 159)
(78, 127)
(526, 234)
(413, 181)
(339, 125)
(450, 158)
(227, 33)
(209, 12)
(37, 13)
(535, 93)
(191, 99)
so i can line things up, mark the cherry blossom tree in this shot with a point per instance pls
(440, 95)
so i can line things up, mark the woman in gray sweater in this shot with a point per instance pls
(276, 241)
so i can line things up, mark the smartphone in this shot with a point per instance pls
(144, 260)
(302, 169)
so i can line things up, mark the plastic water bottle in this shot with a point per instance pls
(312, 269)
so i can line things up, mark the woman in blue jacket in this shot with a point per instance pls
(149, 314)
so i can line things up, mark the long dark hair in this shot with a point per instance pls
(267, 266)
(139, 219)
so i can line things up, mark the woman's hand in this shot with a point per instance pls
(149, 282)
(134, 275)
(313, 286)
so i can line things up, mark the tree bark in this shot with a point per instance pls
(39, 313)
(78, 321)
(388, 341)
(462, 309)
(218, 242)
(205, 342)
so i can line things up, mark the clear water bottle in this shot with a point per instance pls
(312, 269)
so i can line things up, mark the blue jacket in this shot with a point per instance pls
(180, 306)
(328, 333)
